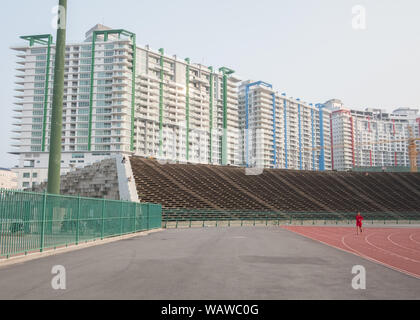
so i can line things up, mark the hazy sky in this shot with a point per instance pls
(306, 48)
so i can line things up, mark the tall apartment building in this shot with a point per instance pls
(119, 98)
(281, 132)
(370, 138)
(184, 111)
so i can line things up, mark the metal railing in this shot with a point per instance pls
(181, 218)
(32, 221)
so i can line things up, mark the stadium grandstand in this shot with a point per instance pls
(198, 192)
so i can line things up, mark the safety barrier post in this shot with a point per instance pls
(216, 223)
(203, 223)
(229, 223)
(44, 212)
(190, 223)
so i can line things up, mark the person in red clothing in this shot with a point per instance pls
(359, 219)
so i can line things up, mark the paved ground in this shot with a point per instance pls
(211, 263)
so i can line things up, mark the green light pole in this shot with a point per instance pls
(54, 164)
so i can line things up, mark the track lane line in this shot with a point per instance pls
(401, 246)
(388, 251)
(411, 238)
(414, 275)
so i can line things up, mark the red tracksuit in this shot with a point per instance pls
(359, 221)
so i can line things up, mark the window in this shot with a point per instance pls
(103, 110)
(34, 175)
(40, 71)
(83, 111)
(84, 96)
(82, 133)
(78, 155)
(103, 125)
(83, 118)
(26, 175)
(103, 118)
(82, 148)
(25, 184)
(102, 140)
(38, 50)
(85, 68)
(103, 132)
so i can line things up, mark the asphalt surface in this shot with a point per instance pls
(211, 263)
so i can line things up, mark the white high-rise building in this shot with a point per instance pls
(281, 132)
(371, 138)
(120, 98)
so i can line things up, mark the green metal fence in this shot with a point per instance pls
(37, 221)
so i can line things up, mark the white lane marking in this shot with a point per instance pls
(398, 245)
(389, 252)
(411, 238)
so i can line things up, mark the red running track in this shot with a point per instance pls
(396, 248)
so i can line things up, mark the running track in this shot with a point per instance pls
(396, 248)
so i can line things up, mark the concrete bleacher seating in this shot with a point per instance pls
(217, 191)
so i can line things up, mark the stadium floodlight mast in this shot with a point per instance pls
(54, 163)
